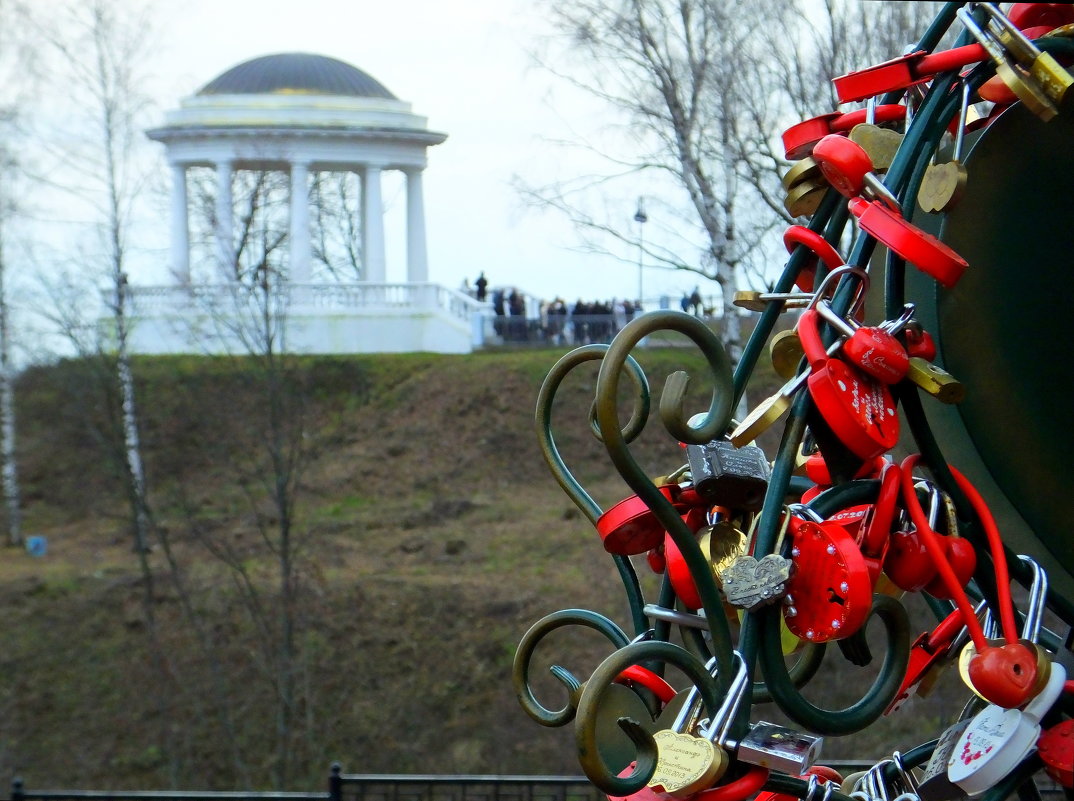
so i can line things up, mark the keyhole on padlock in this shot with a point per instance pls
(836, 598)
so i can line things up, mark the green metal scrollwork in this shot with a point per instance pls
(520, 667)
(563, 476)
(585, 725)
(714, 424)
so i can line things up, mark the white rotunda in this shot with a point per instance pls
(299, 117)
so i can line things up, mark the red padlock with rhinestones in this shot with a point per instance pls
(1056, 749)
(859, 409)
(830, 589)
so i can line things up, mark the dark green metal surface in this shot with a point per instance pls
(1003, 330)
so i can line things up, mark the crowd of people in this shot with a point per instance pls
(558, 322)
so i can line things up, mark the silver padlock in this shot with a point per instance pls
(779, 748)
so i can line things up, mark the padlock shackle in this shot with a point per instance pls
(1038, 593)
(822, 291)
(809, 335)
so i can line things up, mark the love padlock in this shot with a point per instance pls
(920, 343)
(1005, 675)
(859, 409)
(720, 544)
(920, 248)
(830, 590)
(821, 249)
(928, 651)
(962, 557)
(630, 527)
(997, 739)
(873, 349)
(1056, 749)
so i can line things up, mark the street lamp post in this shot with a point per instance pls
(640, 217)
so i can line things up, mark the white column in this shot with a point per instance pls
(300, 224)
(225, 212)
(417, 262)
(375, 269)
(180, 231)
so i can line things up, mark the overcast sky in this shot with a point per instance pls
(465, 66)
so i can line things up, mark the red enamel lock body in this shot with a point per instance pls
(830, 588)
(918, 247)
(903, 72)
(844, 163)
(630, 527)
(907, 562)
(878, 353)
(920, 343)
(1056, 749)
(872, 349)
(799, 139)
(859, 410)
(1050, 15)
(963, 560)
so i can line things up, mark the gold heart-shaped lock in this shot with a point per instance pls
(686, 764)
(880, 143)
(942, 186)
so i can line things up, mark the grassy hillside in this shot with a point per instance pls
(427, 536)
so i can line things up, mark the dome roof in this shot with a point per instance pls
(296, 73)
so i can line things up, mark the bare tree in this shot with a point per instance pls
(701, 90)
(12, 57)
(96, 50)
(251, 317)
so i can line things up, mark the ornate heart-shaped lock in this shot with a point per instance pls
(750, 583)
(686, 764)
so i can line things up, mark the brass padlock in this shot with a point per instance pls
(804, 198)
(943, 185)
(936, 381)
(1043, 69)
(806, 169)
(880, 143)
(786, 352)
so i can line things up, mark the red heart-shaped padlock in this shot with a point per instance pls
(907, 562)
(878, 353)
(858, 408)
(963, 560)
(1004, 674)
